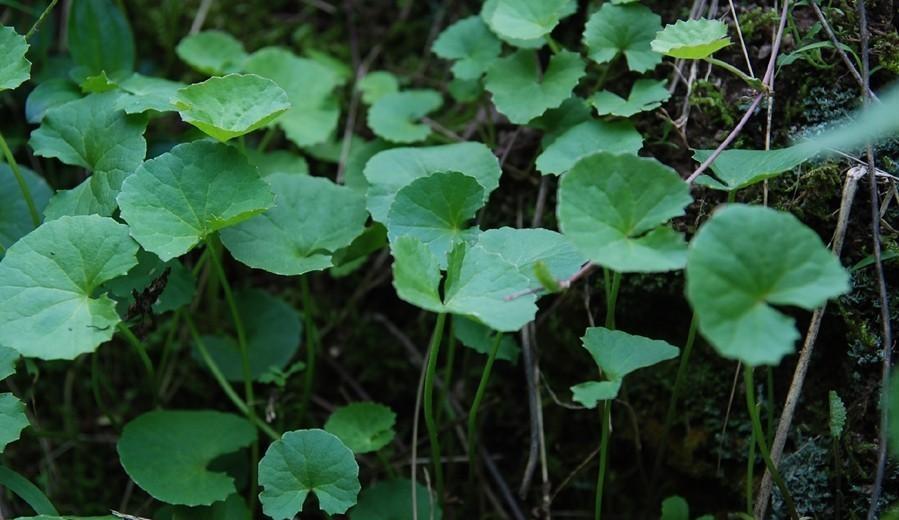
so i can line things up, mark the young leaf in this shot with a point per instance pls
(376, 85)
(15, 219)
(525, 248)
(48, 280)
(12, 419)
(100, 38)
(614, 207)
(586, 139)
(519, 92)
(392, 499)
(311, 219)
(47, 95)
(144, 93)
(179, 198)
(742, 261)
(231, 106)
(646, 94)
(471, 44)
(395, 116)
(837, 414)
(363, 427)
(167, 453)
(303, 462)
(525, 19)
(692, 39)
(390, 170)
(737, 169)
(212, 52)
(480, 338)
(14, 68)
(623, 29)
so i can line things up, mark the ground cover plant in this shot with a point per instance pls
(417, 260)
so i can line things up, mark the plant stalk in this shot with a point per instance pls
(603, 457)
(20, 180)
(311, 345)
(476, 404)
(428, 404)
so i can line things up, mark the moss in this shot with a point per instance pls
(886, 48)
(755, 19)
(708, 97)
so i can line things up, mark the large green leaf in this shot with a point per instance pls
(48, 281)
(231, 106)
(614, 207)
(586, 139)
(181, 197)
(100, 38)
(311, 219)
(303, 462)
(623, 29)
(395, 117)
(15, 219)
(742, 261)
(471, 44)
(737, 169)
(14, 68)
(521, 94)
(363, 427)
(524, 19)
(12, 419)
(437, 210)
(212, 52)
(692, 39)
(390, 170)
(392, 500)
(167, 454)
(47, 95)
(525, 248)
(646, 94)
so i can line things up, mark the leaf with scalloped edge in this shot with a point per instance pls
(623, 29)
(525, 19)
(376, 85)
(470, 44)
(212, 52)
(15, 69)
(396, 116)
(12, 419)
(363, 427)
(585, 139)
(692, 39)
(646, 94)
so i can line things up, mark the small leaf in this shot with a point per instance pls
(48, 280)
(363, 427)
(837, 414)
(732, 280)
(623, 29)
(303, 462)
(14, 68)
(518, 91)
(614, 207)
(166, 453)
(416, 274)
(471, 44)
(231, 106)
(12, 419)
(691, 39)
(100, 38)
(526, 248)
(675, 508)
(392, 500)
(47, 95)
(481, 338)
(525, 19)
(15, 219)
(590, 393)
(646, 94)
(585, 139)
(176, 200)
(738, 169)
(395, 116)
(212, 52)
(376, 85)
(278, 161)
(144, 93)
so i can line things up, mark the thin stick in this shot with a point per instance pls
(40, 19)
(200, 17)
(839, 48)
(733, 13)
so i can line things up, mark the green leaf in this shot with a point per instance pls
(893, 415)
(144, 93)
(212, 52)
(232, 508)
(525, 248)
(28, 492)
(524, 19)
(614, 207)
(80, 200)
(437, 210)
(416, 274)
(481, 338)
(12, 419)
(646, 94)
(8, 360)
(311, 219)
(363, 427)
(376, 85)
(303, 462)
(837, 414)
(470, 44)
(14, 68)
(391, 170)
(231, 106)
(47, 95)
(100, 38)
(274, 332)
(166, 453)
(692, 39)
(675, 508)
(15, 219)
(521, 94)
(737, 169)
(623, 29)
(278, 161)
(590, 393)
(176, 200)
(179, 288)
(395, 116)
(97, 83)
(48, 281)
(742, 261)
(392, 500)
(556, 121)
(586, 139)
(93, 134)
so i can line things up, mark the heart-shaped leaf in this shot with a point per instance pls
(230, 106)
(181, 197)
(167, 454)
(363, 427)
(525, 248)
(311, 219)
(470, 44)
(692, 39)
(15, 219)
(303, 462)
(14, 68)
(12, 419)
(48, 281)
(521, 94)
(586, 139)
(737, 169)
(745, 259)
(614, 207)
(525, 19)
(212, 52)
(395, 117)
(623, 29)
(392, 500)
(100, 38)
(646, 94)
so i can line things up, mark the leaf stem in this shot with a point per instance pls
(311, 345)
(612, 298)
(749, 80)
(476, 404)
(40, 19)
(603, 457)
(428, 404)
(139, 347)
(23, 186)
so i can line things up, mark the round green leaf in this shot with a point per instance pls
(48, 281)
(231, 106)
(521, 94)
(395, 116)
(49, 94)
(100, 38)
(166, 453)
(364, 427)
(15, 219)
(392, 500)
(390, 170)
(14, 68)
(311, 219)
(646, 94)
(525, 19)
(303, 462)
(179, 198)
(471, 44)
(12, 419)
(376, 85)
(586, 139)
(623, 29)
(691, 39)
(212, 52)
(613, 208)
(745, 259)
(524, 248)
